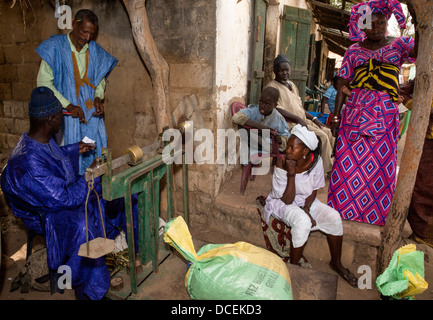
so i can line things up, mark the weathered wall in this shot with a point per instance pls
(233, 66)
(128, 114)
(126, 95)
(19, 64)
(185, 33)
(207, 45)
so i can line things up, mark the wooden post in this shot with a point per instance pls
(155, 63)
(158, 69)
(423, 96)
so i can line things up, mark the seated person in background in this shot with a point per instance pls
(295, 182)
(44, 189)
(329, 98)
(291, 102)
(265, 116)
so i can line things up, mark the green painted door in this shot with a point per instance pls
(295, 44)
(257, 72)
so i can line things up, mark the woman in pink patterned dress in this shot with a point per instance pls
(363, 178)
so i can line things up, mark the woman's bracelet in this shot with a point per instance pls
(314, 118)
(335, 119)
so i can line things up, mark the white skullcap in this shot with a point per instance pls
(306, 136)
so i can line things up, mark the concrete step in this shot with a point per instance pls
(236, 214)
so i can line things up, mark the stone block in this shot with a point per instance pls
(28, 72)
(173, 48)
(21, 91)
(8, 73)
(202, 203)
(20, 126)
(191, 75)
(199, 19)
(8, 125)
(6, 36)
(202, 48)
(13, 54)
(16, 109)
(362, 232)
(24, 34)
(172, 20)
(12, 140)
(5, 91)
(29, 53)
(184, 49)
(2, 56)
(3, 139)
(143, 124)
(197, 181)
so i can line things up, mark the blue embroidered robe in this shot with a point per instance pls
(56, 52)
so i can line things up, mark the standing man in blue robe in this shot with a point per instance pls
(75, 68)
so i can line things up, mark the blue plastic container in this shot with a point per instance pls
(322, 119)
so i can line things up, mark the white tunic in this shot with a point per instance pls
(327, 219)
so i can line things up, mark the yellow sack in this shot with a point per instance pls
(239, 271)
(404, 277)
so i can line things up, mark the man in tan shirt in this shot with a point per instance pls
(291, 102)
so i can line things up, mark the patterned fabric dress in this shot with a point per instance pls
(363, 176)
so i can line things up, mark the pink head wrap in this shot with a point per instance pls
(386, 7)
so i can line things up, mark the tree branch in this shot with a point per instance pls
(423, 97)
(155, 63)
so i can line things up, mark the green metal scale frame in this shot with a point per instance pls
(143, 179)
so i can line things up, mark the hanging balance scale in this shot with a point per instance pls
(141, 171)
(99, 247)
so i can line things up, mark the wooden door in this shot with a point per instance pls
(257, 72)
(295, 44)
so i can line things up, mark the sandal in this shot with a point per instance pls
(304, 263)
(347, 276)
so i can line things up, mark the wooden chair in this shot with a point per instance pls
(31, 234)
(53, 275)
(322, 91)
(324, 88)
(312, 97)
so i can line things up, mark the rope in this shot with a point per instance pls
(91, 187)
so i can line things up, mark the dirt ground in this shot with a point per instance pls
(13, 251)
(174, 269)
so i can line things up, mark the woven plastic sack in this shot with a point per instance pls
(404, 277)
(238, 271)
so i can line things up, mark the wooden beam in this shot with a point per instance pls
(329, 7)
(335, 47)
(338, 37)
(330, 16)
